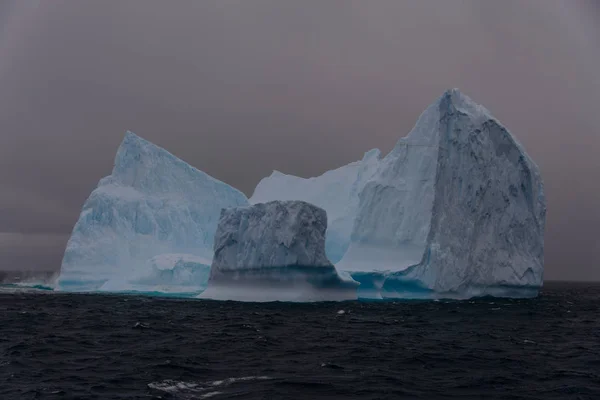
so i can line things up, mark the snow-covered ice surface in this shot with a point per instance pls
(456, 209)
(152, 204)
(274, 251)
(335, 191)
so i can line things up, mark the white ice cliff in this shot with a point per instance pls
(456, 209)
(152, 204)
(274, 251)
(335, 191)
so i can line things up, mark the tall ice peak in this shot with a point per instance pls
(463, 103)
(456, 209)
(276, 173)
(373, 154)
(147, 167)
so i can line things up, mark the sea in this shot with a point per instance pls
(101, 346)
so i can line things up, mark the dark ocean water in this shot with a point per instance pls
(65, 346)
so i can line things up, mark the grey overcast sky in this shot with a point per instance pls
(239, 88)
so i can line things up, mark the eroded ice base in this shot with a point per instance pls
(168, 274)
(290, 283)
(377, 285)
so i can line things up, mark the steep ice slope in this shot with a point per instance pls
(335, 191)
(391, 224)
(456, 209)
(153, 203)
(274, 251)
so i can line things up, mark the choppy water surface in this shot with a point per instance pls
(66, 346)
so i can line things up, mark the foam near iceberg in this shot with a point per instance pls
(456, 209)
(152, 204)
(274, 252)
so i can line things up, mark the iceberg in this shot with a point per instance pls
(274, 251)
(152, 204)
(335, 191)
(455, 210)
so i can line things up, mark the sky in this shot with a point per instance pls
(240, 88)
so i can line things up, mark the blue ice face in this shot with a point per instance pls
(153, 203)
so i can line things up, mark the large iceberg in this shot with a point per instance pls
(152, 204)
(335, 191)
(274, 251)
(456, 209)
